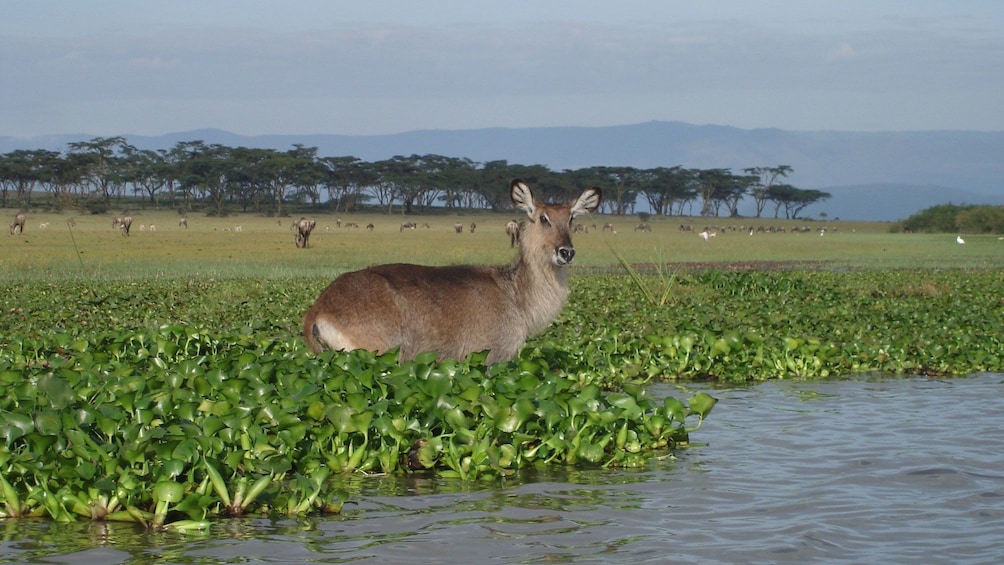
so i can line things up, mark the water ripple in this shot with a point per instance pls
(872, 470)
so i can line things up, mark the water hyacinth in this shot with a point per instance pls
(121, 403)
(177, 424)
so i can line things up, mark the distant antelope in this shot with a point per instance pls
(473, 227)
(408, 226)
(124, 224)
(458, 227)
(303, 229)
(643, 227)
(183, 223)
(43, 225)
(456, 310)
(18, 224)
(512, 230)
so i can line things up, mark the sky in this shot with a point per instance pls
(118, 67)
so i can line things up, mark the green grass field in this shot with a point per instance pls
(263, 247)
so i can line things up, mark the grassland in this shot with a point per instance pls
(263, 248)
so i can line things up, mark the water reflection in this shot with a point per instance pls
(845, 471)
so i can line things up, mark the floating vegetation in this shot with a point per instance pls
(122, 403)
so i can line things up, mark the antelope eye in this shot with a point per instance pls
(545, 220)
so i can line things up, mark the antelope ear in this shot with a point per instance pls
(587, 202)
(521, 196)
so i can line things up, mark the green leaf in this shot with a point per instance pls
(701, 404)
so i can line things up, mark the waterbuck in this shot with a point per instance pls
(18, 224)
(303, 229)
(512, 230)
(456, 310)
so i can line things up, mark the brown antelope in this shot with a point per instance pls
(303, 229)
(456, 310)
(18, 224)
(458, 228)
(183, 223)
(124, 224)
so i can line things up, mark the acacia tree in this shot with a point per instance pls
(794, 200)
(733, 191)
(59, 175)
(19, 171)
(105, 169)
(709, 184)
(622, 183)
(146, 171)
(763, 179)
(305, 172)
(208, 169)
(658, 185)
(248, 183)
(345, 178)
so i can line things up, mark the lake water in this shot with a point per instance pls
(865, 470)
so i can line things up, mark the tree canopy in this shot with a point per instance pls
(216, 178)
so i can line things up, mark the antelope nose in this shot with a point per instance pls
(565, 255)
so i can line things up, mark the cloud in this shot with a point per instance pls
(840, 52)
(154, 62)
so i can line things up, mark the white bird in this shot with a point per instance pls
(959, 239)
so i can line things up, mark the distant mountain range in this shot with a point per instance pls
(871, 175)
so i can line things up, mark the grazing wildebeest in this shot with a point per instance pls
(18, 224)
(408, 226)
(456, 310)
(512, 230)
(124, 224)
(303, 229)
